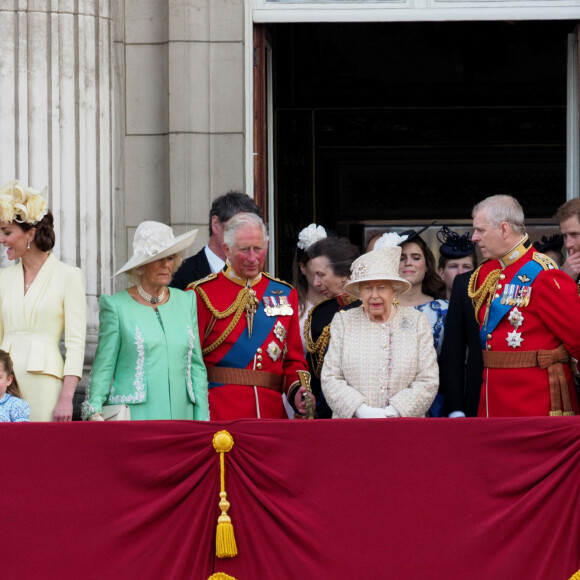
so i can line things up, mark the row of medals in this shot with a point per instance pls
(516, 295)
(277, 306)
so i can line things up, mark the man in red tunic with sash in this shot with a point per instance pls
(249, 331)
(529, 316)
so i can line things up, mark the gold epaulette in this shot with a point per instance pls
(193, 285)
(277, 280)
(545, 261)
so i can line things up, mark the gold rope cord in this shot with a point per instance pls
(316, 349)
(238, 306)
(225, 540)
(485, 292)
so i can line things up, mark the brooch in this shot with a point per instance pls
(280, 331)
(274, 351)
(516, 318)
(514, 339)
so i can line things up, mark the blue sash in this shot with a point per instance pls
(497, 310)
(244, 349)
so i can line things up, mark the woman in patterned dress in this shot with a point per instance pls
(427, 293)
(149, 355)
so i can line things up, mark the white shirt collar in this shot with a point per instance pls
(215, 262)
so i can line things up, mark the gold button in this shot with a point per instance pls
(259, 351)
(489, 347)
(499, 286)
(489, 337)
(259, 365)
(502, 276)
(496, 296)
(259, 357)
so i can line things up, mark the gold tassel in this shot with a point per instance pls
(225, 541)
(221, 576)
(576, 576)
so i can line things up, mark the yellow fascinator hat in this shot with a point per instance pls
(22, 204)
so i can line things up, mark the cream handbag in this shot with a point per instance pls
(116, 413)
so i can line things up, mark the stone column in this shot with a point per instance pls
(56, 111)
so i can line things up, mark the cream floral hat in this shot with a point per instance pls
(22, 204)
(153, 241)
(380, 264)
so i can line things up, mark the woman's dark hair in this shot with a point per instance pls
(5, 360)
(341, 253)
(299, 280)
(432, 284)
(444, 259)
(44, 237)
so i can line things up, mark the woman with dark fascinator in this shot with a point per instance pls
(552, 247)
(461, 362)
(457, 256)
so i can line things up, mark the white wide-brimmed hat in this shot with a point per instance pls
(382, 263)
(153, 241)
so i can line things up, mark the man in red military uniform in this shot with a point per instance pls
(529, 315)
(249, 331)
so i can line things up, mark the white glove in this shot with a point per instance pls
(390, 411)
(456, 414)
(366, 412)
(96, 417)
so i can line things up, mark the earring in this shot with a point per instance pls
(28, 245)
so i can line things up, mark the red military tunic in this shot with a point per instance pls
(274, 347)
(550, 318)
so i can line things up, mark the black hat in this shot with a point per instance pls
(454, 246)
(554, 243)
(413, 233)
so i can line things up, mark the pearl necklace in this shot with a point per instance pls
(148, 297)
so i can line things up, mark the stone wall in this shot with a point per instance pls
(181, 89)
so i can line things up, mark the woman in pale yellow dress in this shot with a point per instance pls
(40, 298)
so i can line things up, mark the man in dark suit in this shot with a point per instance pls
(211, 258)
(461, 387)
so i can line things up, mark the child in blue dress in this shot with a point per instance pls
(13, 409)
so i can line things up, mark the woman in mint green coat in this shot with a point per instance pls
(149, 355)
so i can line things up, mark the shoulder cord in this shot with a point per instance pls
(238, 306)
(316, 349)
(485, 292)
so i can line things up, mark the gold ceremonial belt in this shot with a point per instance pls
(245, 377)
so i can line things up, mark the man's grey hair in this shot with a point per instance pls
(502, 208)
(241, 221)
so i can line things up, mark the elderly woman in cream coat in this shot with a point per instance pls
(381, 361)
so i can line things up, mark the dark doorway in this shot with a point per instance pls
(383, 122)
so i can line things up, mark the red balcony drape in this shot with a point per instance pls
(342, 499)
